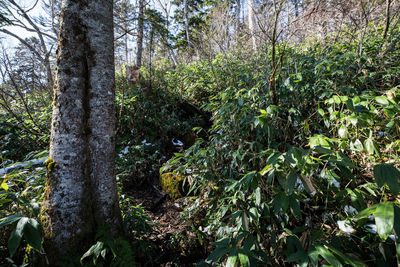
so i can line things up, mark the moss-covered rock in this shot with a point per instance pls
(172, 184)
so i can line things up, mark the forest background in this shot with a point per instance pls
(276, 121)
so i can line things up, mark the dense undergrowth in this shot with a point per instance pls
(310, 180)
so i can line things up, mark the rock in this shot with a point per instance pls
(172, 184)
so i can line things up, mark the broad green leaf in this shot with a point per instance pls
(244, 260)
(336, 99)
(295, 206)
(16, 235)
(313, 255)
(32, 234)
(369, 146)
(266, 170)
(218, 253)
(297, 256)
(347, 259)
(382, 100)
(384, 219)
(356, 145)
(360, 109)
(10, 219)
(291, 182)
(103, 253)
(353, 120)
(328, 256)
(232, 258)
(4, 186)
(366, 212)
(258, 196)
(387, 174)
(342, 131)
(97, 249)
(323, 150)
(88, 253)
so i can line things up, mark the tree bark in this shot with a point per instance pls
(387, 24)
(139, 51)
(186, 17)
(252, 23)
(81, 187)
(238, 11)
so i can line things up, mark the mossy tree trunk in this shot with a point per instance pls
(81, 188)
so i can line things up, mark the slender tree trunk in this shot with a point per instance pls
(387, 24)
(296, 7)
(126, 40)
(274, 63)
(252, 22)
(140, 35)
(186, 15)
(81, 187)
(238, 11)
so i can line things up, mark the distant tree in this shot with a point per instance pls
(166, 9)
(124, 20)
(4, 20)
(25, 21)
(81, 191)
(186, 19)
(252, 22)
(140, 33)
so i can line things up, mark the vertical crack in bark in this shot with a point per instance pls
(87, 130)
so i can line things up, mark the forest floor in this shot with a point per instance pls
(173, 241)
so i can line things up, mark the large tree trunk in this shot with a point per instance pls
(81, 187)
(139, 46)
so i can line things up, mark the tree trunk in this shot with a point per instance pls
(238, 11)
(139, 51)
(387, 24)
(81, 187)
(186, 15)
(252, 22)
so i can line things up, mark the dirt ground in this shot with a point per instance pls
(173, 240)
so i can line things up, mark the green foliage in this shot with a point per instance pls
(310, 180)
(109, 251)
(20, 196)
(293, 182)
(137, 223)
(150, 119)
(200, 80)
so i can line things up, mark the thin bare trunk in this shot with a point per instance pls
(387, 24)
(237, 19)
(140, 35)
(272, 81)
(186, 16)
(252, 22)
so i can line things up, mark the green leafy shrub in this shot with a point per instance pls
(308, 181)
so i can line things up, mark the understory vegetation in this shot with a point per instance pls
(309, 178)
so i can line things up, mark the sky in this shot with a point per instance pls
(36, 10)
